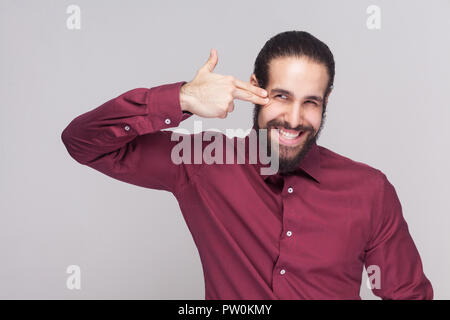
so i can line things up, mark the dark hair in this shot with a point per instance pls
(293, 44)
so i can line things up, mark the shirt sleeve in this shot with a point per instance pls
(122, 138)
(392, 254)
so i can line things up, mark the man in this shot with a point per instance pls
(304, 232)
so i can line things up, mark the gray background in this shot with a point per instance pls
(389, 109)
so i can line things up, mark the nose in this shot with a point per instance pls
(294, 115)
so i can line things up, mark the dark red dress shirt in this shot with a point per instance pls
(305, 235)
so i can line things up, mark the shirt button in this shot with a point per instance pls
(289, 233)
(290, 190)
(282, 271)
(167, 121)
(127, 128)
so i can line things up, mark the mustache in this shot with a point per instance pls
(276, 123)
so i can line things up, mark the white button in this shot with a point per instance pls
(167, 121)
(282, 271)
(289, 233)
(290, 190)
(127, 128)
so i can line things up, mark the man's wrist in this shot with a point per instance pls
(185, 98)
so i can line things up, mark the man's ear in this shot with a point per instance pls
(253, 80)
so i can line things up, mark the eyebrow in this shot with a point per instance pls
(288, 93)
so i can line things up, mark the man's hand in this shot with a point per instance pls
(211, 95)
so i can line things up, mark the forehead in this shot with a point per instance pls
(301, 76)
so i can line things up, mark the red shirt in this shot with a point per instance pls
(306, 235)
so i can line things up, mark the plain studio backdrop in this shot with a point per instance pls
(389, 109)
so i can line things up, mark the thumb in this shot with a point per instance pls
(212, 61)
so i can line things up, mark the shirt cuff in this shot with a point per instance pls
(164, 105)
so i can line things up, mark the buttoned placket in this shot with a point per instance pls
(281, 270)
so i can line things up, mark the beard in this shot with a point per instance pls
(289, 157)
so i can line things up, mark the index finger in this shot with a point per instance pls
(249, 87)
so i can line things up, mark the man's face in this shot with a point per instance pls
(296, 90)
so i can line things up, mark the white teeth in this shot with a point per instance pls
(289, 135)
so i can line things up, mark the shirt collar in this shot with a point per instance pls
(309, 165)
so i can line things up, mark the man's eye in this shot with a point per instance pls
(313, 102)
(281, 95)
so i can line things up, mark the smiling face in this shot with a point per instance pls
(296, 90)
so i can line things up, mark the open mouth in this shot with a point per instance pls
(287, 136)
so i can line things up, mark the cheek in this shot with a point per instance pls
(268, 113)
(314, 117)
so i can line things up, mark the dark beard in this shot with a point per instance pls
(289, 164)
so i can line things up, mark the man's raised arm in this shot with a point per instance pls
(122, 137)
